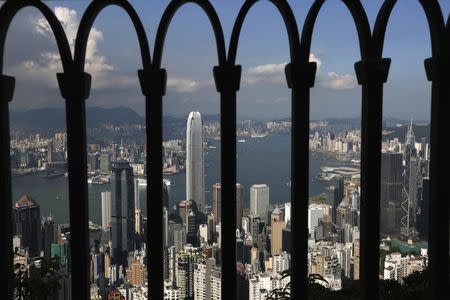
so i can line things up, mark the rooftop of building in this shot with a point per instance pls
(26, 201)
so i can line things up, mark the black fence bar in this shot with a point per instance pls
(439, 166)
(75, 89)
(6, 227)
(153, 84)
(300, 78)
(371, 75)
(227, 79)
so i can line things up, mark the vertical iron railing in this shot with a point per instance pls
(372, 73)
(76, 124)
(7, 13)
(228, 233)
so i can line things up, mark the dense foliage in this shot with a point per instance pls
(412, 287)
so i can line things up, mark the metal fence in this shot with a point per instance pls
(371, 71)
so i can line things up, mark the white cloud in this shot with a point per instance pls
(43, 68)
(338, 82)
(271, 73)
(181, 85)
(274, 73)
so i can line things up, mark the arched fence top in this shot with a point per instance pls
(88, 19)
(289, 21)
(166, 20)
(435, 21)
(379, 31)
(436, 24)
(359, 17)
(9, 10)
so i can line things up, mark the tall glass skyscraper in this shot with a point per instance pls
(123, 210)
(195, 167)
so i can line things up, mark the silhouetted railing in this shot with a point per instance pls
(372, 72)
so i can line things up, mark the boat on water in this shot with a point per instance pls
(51, 175)
(98, 180)
(143, 182)
(258, 135)
(241, 141)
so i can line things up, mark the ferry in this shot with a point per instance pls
(98, 180)
(258, 135)
(241, 141)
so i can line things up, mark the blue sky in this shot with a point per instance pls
(190, 55)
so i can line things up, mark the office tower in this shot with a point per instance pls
(345, 215)
(315, 212)
(106, 209)
(259, 201)
(217, 203)
(337, 196)
(182, 208)
(177, 236)
(410, 184)
(286, 238)
(277, 224)
(239, 205)
(105, 162)
(191, 228)
(137, 203)
(211, 226)
(165, 227)
(48, 231)
(50, 151)
(327, 226)
(195, 177)
(391, 193)
(107, 265)
(123, 211)
(27, 224)
(137, 208)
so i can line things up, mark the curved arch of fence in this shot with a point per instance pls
(372, 72)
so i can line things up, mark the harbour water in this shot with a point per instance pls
(260, 160)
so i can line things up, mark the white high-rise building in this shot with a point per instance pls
(195, 171)
(259, 201)
(106, 209)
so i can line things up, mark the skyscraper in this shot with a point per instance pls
(391, 193)
(239, 208)
(106, 209)
(217, 203)
(259, 201)
(48, 230)
(277, 224)
(27, 224)
(410, 191)
(195, 177)
(123, 212)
